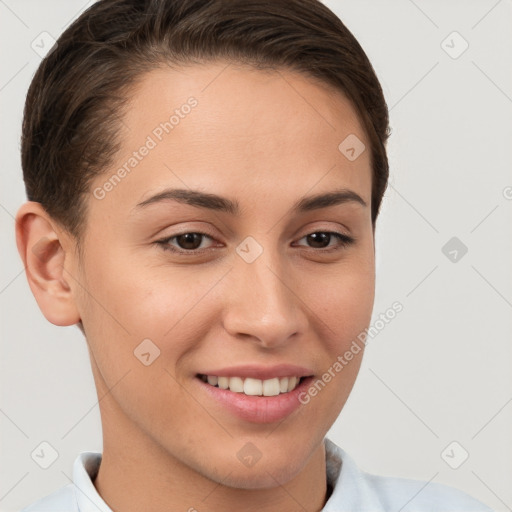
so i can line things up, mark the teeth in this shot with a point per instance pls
(254, 387)
(223, 382)
(292, 383)
(271, 387)
(236, 384)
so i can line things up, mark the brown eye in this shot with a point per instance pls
(319, 240)
(189, 241)
(322, 239)
(184, 242)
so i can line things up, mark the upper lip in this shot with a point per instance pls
(261, 372)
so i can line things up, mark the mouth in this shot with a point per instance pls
(254, 387)
(254, 400)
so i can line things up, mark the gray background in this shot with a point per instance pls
(441, 370)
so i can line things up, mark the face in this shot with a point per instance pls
(257, 284)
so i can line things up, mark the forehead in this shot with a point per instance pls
(241, 102)
(220, 126)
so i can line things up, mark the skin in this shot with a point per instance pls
(266, 139)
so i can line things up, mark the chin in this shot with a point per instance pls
(277, 468)
(267, 476)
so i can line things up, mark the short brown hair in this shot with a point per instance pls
(74, 103)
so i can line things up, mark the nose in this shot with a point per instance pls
(262, 303)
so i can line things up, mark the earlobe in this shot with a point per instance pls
(44, 255)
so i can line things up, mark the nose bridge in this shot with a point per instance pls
(263, 304)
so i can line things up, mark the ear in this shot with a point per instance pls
(41, 247)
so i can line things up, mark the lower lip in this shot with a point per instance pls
(257, 409)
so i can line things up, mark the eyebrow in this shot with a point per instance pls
(223, 204)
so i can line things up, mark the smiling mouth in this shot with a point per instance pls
(254, 387)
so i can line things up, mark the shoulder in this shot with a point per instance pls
(355, 489)
(421, 496)
(77, 496)
(61, 500)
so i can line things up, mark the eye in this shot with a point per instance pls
(186, 242)
(322, 239)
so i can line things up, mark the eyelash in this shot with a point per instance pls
(344, 242)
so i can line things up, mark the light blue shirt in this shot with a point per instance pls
(353, 490)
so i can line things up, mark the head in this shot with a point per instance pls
(174, 155)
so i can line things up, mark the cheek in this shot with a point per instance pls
(124, 294)
(346, 310)
(343, 310)
(342, 299)
(128, 304)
